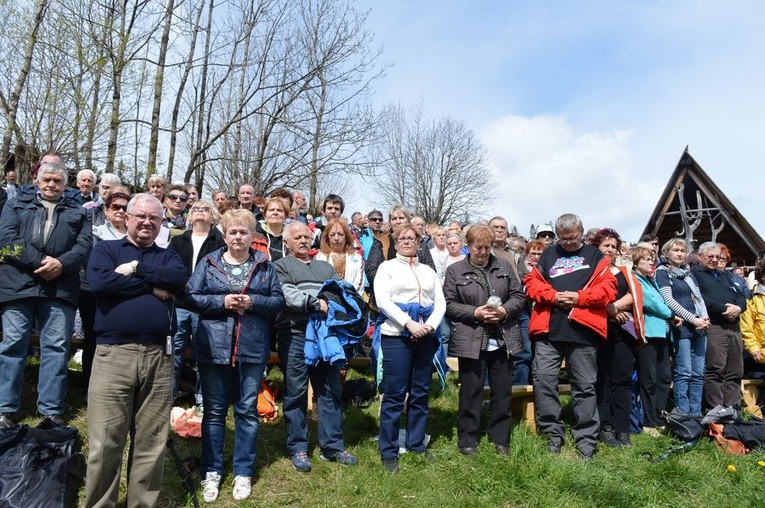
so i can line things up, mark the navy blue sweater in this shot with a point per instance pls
(127, 311)
(718, 288)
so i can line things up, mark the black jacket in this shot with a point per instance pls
(22, 223)
(717, 289)
(183, 246)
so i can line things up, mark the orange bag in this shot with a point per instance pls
(729, 446)
(267, 408)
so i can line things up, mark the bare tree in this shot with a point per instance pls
(437, 167)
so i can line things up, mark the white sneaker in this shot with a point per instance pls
(242, 487)
(210, 486)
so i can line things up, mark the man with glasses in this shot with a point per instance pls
(176, 212)
(725, 302)
(132, 381)
(571, 287)
(41, 284)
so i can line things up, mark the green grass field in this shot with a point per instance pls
(530, 476)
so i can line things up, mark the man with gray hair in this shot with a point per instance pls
(131, 386)
(725, 301)
(42, 283)
(86, 182)
(571, 287)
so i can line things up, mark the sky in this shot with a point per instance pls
(586, 107)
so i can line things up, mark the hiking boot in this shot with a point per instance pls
(555, 445)
(301, 463)
(608, 438)
(391, 464)
(469, 451)
(343, 457)
(502, 450)
(6, 422)
(587, 455)
(57, 419)
(210, 486)
(624, 439)
(242, 487)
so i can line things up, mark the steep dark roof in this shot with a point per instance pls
(705, 202)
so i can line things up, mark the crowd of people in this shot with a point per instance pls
(153, 273)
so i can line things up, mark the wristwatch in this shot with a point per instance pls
(134, 264)
(317, 305)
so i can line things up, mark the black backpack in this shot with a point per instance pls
(683, 426)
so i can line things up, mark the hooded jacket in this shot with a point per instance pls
(753, 322)
(224, 336)
(590, 310)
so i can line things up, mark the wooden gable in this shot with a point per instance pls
(693, 207)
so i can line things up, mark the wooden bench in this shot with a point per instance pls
(752, 396)
(522, 397)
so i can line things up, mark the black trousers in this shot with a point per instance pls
(724, 366)
(87, 307)
(654, 378)
(472, 375)
(616, 362)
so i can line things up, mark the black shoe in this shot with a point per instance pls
(57, 419)
(427, 455)
(469, 451)
(608, 438)
(502, 450)
(555, 445)
(6, 422)
(587, 455)
(391, 464)
(624, 439)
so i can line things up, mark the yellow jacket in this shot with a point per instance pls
(753, 322)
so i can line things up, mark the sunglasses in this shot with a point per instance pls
(375, 219)
(201, 209)
(118, 208)
(545, 235)
(177, 197)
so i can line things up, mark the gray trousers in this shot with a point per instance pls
(583, 372)
(724, 366)
(130, 394)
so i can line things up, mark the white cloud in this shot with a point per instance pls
(545, 167)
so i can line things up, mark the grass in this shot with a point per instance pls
(529, 477)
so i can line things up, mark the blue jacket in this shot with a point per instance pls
(345, 324)
(656, 312)
(22, 223)
(224, 336)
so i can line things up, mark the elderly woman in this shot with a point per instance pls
(275, 212)
(411, 301)
(336, 248)
(236, 292)
(439, 252)
(616, 356)
(157, 186)
(483, 301)
(193, 245)
(115, 208)
(682, 295)
(654, 374)
(454, 244)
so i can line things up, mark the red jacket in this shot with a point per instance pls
(636, 290)
(590, 310)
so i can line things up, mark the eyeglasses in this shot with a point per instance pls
(723, 258)
(375, 219)
(204, 209)
(569, 241)
(177, 197)
(142, 218)
(407, 239)
(545, 235)
(117, 208)
(712, 256)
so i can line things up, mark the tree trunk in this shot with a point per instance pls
(151, 165)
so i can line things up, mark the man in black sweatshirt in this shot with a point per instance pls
(725, 301)
(131, 385)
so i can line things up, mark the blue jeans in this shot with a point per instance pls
(407, 368)
(690, 354)
(521, 360)
(221, 385)
(56, 321)
(187, 327)
(325, 380)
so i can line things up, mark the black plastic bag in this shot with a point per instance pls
(40, 466)
(682, 425)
